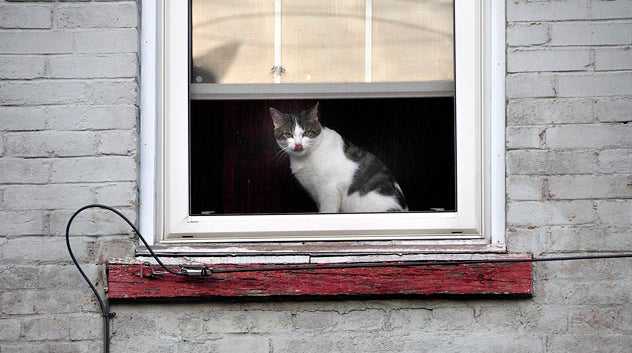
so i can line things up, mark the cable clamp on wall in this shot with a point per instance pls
(195, 271)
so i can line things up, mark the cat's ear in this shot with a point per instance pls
(312, 114)
(278, 118)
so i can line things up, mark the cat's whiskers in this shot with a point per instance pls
(280, 154)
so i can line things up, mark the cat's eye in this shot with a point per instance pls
(286, 135)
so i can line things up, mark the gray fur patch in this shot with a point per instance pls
(372, 175)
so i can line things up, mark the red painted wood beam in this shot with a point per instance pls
(125, 282)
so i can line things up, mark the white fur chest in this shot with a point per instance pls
(325, 168)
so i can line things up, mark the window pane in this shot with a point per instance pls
(232, 41)
(237, 166)
(412, 40)
(323, 41)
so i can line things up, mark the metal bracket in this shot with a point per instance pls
(146, 271)
(277, 70)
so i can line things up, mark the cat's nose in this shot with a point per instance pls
(298, 147)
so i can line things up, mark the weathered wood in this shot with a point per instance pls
(507, 279)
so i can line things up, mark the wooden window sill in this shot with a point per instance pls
(135, 282)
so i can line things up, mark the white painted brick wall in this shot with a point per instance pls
(569, 76)
(68, 136)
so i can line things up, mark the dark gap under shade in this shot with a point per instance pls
(234, 169)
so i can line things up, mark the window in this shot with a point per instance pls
(418, 84)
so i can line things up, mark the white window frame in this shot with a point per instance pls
(479, 225)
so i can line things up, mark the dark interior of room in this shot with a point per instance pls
(236, 168)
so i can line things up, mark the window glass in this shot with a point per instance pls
(232, 41)
(398, 151)
(324, 41)
(412, 40)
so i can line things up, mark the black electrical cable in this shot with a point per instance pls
(105, 309)
(104, 306)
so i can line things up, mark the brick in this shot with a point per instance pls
(349, 343)
(613, 58)
(30, 250)
(121, 194)
(239, 321)
(549, 111)
(597, 269)
(36, 42)
(86, 327)
(583, 292)
(29, 302)
(523, 10)
(551, 162)
(594, 84)
(134, 324)
(525, 187)
(527, 239)
(361, 320)
(615, 161)
(606, 320)
(549, 59)
(22, 67)
(45, 328)
(589, 136)
(118, 143)
(22, 118)
(591, 33)
(93, 66)
(96, 15)
(66, 276)
(25, 16)
(531, 85)
(9, 329)
(68, 117)
(107, 92)
(52, 196)
(153, 345)
(452, 318)
(52, 347)
(616, 109)
(17, 277)
(616, 212)
(44, 92)
(551, 212)
(590, 343)
(519, 34)
(610, 9)
(22, 223)
(525, 137)
(51, 144)
(93, 169)
(589, 186)
(92, 222)
(120, 247)
(410, 319)
(551, 319)
(107, 41)
(24, 171)
(241, 343)
(588, 239)
(13, 276)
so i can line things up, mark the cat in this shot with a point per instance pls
(340, 177)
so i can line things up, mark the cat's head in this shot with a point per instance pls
(297, 133)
